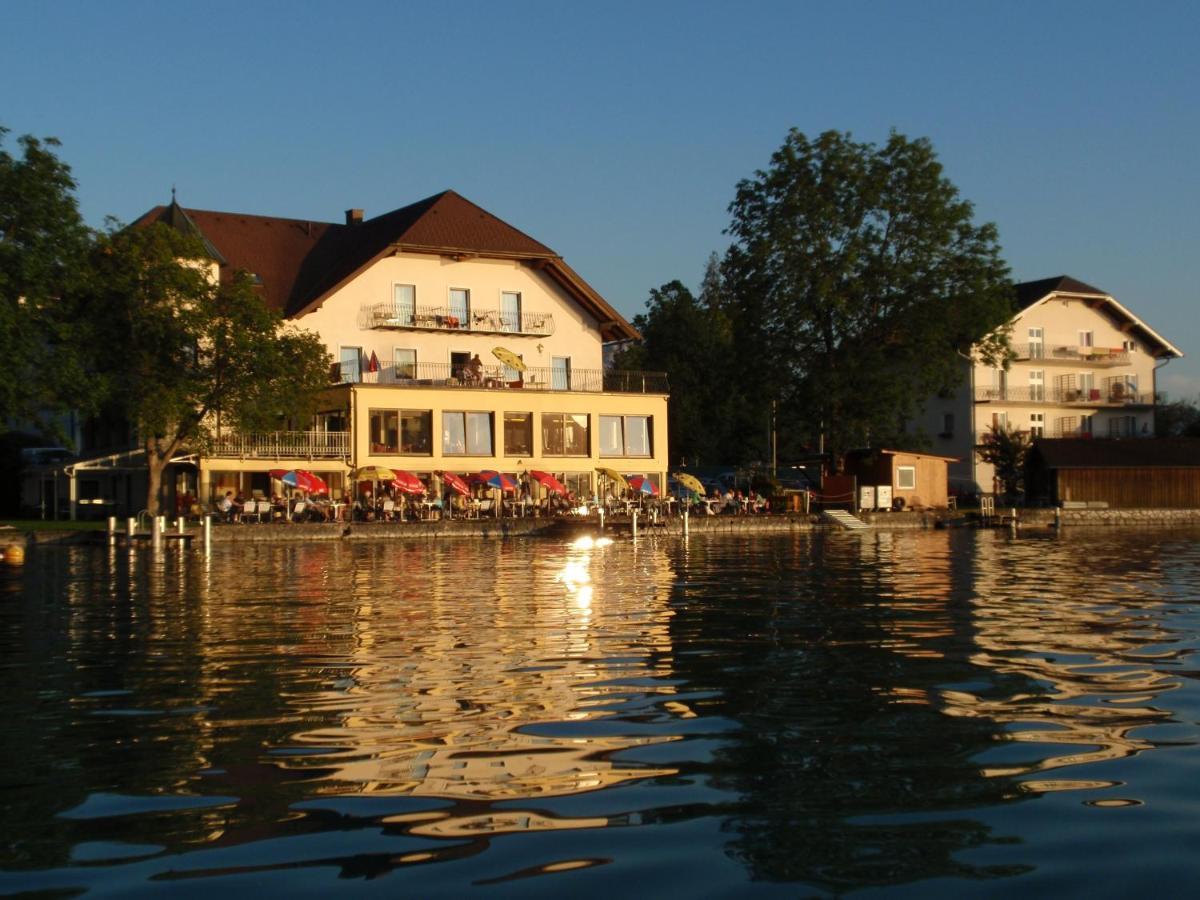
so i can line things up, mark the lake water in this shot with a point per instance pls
(911, 713)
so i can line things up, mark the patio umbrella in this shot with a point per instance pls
(509, 358)
(495, 479)
(314, 484)
(373, 363)
(374, 473)
(690, 482)
(298, 478)
(408, 483)
(643, 485)
(612, 475)
(455, 483)
(548, 481)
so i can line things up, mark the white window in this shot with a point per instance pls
(1086, 339)
(1037, 424)
(906, 477)
(1085, 424)
(404, 302)
(351, 363)
(560, 373)
(404, 359)
(1129, 346)
(999, 420)
(510, 311)
(1036, 348)
(460, 306)
(1037, 384)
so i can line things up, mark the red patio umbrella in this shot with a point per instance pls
(314, 484)
(548, 481)
(407, 482)
(455, 483)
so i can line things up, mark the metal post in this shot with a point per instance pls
(208, 531)
(181, 525)
(131, 527)
(156, 532)
(685, 520)
(635, 512)
(112, 530)
(1057, 517)
(602, 518)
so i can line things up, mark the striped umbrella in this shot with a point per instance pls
(495, 479)
(643, 485)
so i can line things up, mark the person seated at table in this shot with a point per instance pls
(225, 507)
(729, 502)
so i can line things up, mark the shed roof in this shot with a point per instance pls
(1081, 453)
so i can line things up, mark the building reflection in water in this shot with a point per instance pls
(496, 695)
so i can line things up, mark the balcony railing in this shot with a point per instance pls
(1102, 357)
(445, 375)
(443, 318)
(1113, 395)
(283, 445)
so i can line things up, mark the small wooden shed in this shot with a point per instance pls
(918, 480)
(1132, 473)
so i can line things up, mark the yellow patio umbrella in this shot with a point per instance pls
(612, 475)
(509, 358)
(691, 482)
(374, 473)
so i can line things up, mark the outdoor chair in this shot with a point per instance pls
(298, 513)
(483, 509)
(389, 510)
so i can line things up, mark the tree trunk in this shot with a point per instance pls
(156, 463)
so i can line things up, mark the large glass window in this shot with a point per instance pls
(467, 433)
(518, 434)
(565, 434)
(510, 311)
(906, 477)
(385, 431)
(404, 299)
(416, 431)
(625, 435)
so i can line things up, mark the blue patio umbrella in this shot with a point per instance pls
(495, 479)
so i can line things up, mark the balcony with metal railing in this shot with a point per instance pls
(533, 378)
(1052, 354)
(281, 445)
(456, 320)
(1112, 395)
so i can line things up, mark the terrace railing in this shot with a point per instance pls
(282, 445)
(444, 318)
(498, 377)
(1103, 357)
(1113, 395)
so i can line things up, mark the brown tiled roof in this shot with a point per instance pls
(301, 263)
(1030, 292)
(1133, 453)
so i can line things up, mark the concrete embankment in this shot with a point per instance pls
(622, 527)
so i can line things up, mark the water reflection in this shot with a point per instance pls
(833, 711)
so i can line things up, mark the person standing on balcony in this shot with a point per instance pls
(474, 370)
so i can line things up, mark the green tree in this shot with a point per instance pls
(1178, 419)
(690, 341)
(43, 243)
(174, 353)
(1007, 449)
(856, 279)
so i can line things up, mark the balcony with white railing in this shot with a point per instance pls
(501, 378)
(1073, 355)
(444, 318)
(281, 445)
(1112, 395)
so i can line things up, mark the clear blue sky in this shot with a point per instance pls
(616, 132)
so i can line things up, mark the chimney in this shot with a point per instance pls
(354, 216)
